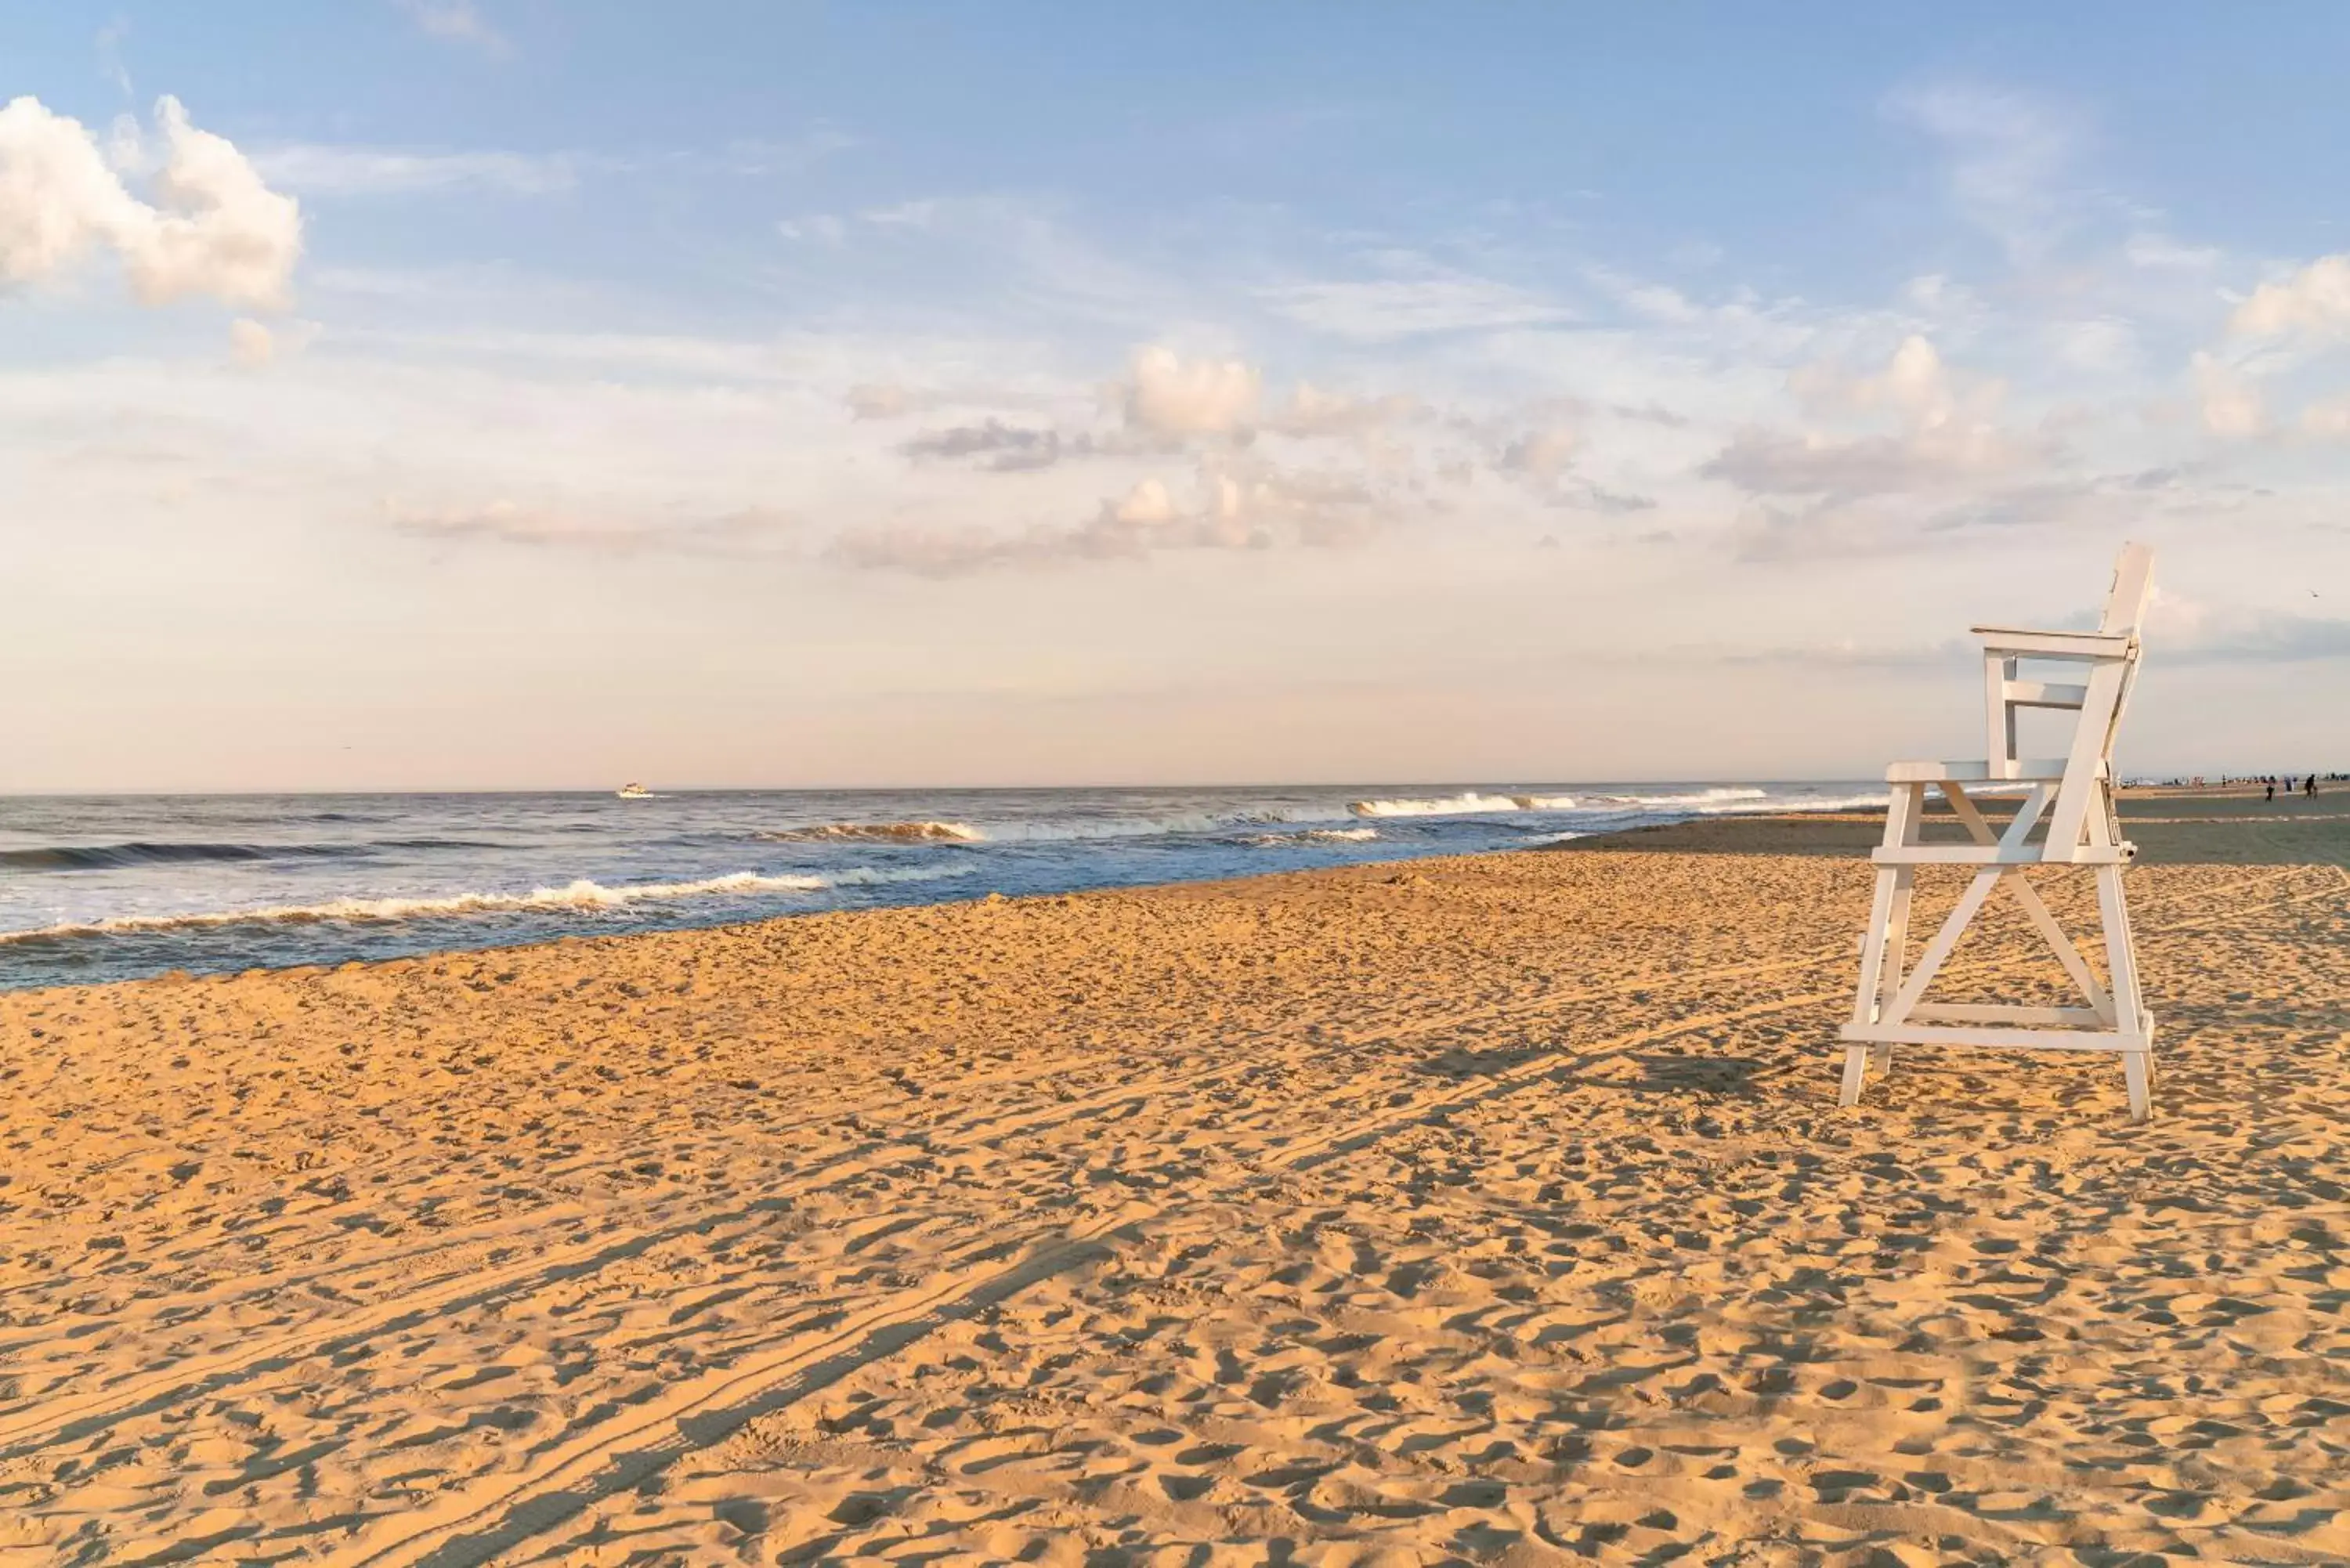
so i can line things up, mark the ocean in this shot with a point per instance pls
(114, 888)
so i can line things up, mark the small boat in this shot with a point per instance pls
(634, 791)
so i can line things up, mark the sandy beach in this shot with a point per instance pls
(1494, 1207)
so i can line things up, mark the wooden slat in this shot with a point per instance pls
(2001, 855)
(2041, 694)
(2008, 1013)
(2017, 643)
(1929, 772)
(2021, 1039)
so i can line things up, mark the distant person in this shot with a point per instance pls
(2309, 786)
(2271, 789)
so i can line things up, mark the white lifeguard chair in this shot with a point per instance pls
(2074, 795)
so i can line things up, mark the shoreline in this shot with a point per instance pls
(1494, 1202)
(2171, 825)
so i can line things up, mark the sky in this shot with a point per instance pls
(418, 394)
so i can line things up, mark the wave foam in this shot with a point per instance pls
(1699, 800)
(1467, 804)
(1317, 834)
(581, 895)
(888, 832)
(1782, 802)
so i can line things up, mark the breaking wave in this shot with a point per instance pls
(1467, 804)
(1698, 800)
(581, 895)
(1782, 803)
(1318, 835)
(1445, 806)
(886, 832)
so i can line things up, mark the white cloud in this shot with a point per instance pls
(1915, 386)
(2329, 420)
(2316, 299)
(455, 21)
(2228, 401)
(1543, 453)
(1246, 506)
(251, 343)
(2160, 253)
(1311, 412)
(507, 522)
(327, 169)
(1382, 309)
(817, 228)
(214, 227)
(1168, 397)
(2008, 153)
(2102, 343)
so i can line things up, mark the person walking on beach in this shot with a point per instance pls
(2309, 786)
(2271, 795)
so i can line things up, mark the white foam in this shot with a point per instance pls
(1320, 834)
(581, 895)
(1467, 804)
(1544, 801)
(1791, 802)
(1698, 801)
(891, 832)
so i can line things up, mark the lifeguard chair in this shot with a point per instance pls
(2074, 794)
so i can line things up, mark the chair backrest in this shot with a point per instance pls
(2126, 608)
(2090, 773)
(2132, 589)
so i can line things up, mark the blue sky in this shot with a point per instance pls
(509, 393)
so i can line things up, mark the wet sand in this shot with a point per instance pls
(1493, 1209)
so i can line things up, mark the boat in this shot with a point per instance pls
(634, 791)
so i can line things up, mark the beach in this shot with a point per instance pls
(1492, 1207)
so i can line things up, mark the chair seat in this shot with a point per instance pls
(2028, 770)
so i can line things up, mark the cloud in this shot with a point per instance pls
(1764, 462)
(1234, 511)
(2269, 639)
(1543, 453)
(109, 44)
(215, 228)
(2160, 253)
(1312, 412)
(817, 228)
(1168, 397)
(506, 522)
(1003, 448)
(1915, 386)
(335, 170)
(457, 22)
(251, 343)
(1434, 301)
(2327, 421)
(2227, 400)
(1948, 438)
(2316, 300)
(2008, 152)
(882, 400)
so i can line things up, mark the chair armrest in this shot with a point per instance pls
(2018, 642)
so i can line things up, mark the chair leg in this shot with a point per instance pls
(1880, 1060)
(1856, 1066)
(2137, 1072)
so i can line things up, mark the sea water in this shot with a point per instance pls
(110, 887)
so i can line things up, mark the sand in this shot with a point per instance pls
(1489, 1208)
